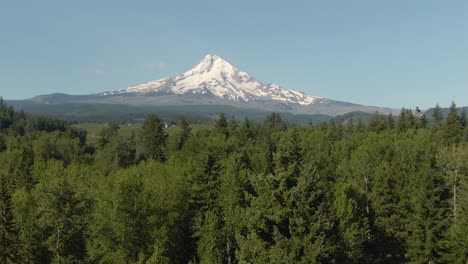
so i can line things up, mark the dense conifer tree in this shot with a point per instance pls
(437, 117)
(152, 138)
(184, 134)
(357, 192)
(221, 125)
(452, 130)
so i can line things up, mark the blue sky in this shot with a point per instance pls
(398, 53)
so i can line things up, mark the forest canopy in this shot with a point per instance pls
(392, 190)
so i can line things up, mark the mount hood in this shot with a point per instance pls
(214, 81)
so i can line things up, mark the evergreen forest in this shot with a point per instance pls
(391, 190)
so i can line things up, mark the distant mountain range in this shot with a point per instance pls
(212, 82)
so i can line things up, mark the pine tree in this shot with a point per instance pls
(233, 126)
(437, 118)
(274, 122)
(388, 215)
(7, 232)
(402, 124)
(407, 120)
(153, 138)
(457, 239)
(184, 134)
(428, 223)
(246, 131)
(310, 223)
(390, 121)
(423, 121)
(332, 132)
(452, 161)
(349, 207)
(420, 121)
(221, 125)
(378, 123)
(6, 115)
(206, 210)
(288, 157)
(411, 119)
(452, 130)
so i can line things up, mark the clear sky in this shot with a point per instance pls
(396, 53)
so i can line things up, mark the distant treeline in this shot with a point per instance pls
(391, 190)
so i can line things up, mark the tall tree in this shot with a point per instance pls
(6, 115)
(31, 248)
(246, 131)
(457, 239)
(428, 223)
(402, 124)
(184, 134)
(437, 117)
(452, 161)
(221, 125)
(233, 126)
(274, 122)
(452, 130)
(61, 212)
(349, 207)
(7, 232)
(153, 138)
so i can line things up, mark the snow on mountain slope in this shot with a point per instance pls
(215, 76)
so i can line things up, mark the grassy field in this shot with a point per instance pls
(93, 130)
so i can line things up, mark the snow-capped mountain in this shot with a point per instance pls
(214, 82)
(215, 76)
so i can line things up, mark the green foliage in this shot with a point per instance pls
(6, 115)
(184, 134)
(152, 138)
(30, 232)
(221, 125)
(107, 133)
(350, 209)
(463, 119)
(140, 214)
(7, 232)
(274, 122)
(452, 130)
(437, 117)
(428, 223)
(390, 191)
(60, 211)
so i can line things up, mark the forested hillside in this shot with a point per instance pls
(388, 191)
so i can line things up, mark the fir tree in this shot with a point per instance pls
(437, 118)
(153, 138)
(428, 224)
(7, 232)
(452, 130)
(221, 125)
(184, 134)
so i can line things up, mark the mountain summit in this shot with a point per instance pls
(213, 75)
(214, 82)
